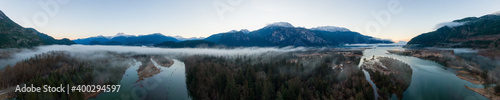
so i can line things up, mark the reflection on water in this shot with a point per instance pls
(430, 80)
(168, 84)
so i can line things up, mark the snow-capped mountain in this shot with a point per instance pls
(180, 38)
(123, 34)
(246, 31)
(123, 39)
(285, 34)
(276, 34)
(280, 24)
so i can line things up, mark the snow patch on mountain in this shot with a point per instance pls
(245, 31)
(331, 29)
(122, 34)
(107, 37)
(280, 24)
(232, 31)
(242, 30)
(117, 35)
(180, 38)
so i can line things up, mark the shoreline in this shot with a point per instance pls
(467, 71)
(486, 92)
(466, 75)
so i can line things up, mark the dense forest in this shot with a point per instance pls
(58, 67)
(291, 76)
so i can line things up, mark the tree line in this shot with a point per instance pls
(58, 67)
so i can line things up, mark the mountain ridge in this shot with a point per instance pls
(14, 35)
(285, 34)
(121, 39)
(275, 34)
(473, 32)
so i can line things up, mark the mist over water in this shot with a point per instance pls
(429, 81)
(27, 53)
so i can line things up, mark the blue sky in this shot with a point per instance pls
(200, 18)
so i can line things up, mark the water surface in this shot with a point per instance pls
(430, 80)
(169, 84)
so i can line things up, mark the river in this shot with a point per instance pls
(169, 84)
(430, 80)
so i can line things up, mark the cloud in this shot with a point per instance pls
(449, 24)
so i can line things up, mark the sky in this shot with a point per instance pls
(387, 19)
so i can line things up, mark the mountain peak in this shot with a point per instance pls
(331, 29)
(157, 34)
(120, 34)
(280, 24)
(245, 31)
(180, 38)
(242, 30)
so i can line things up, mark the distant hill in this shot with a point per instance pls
(180, 38)
(48, 40)
(13, 35)
(471, 32)
(285, 34)
(122, 39)
(276, 34)
(187, 43)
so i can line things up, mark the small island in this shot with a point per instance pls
(149, 68)
(390, 75)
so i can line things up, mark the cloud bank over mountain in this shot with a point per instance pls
(449, 24)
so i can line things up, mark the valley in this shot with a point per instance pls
(291, 74)
(176, 50)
